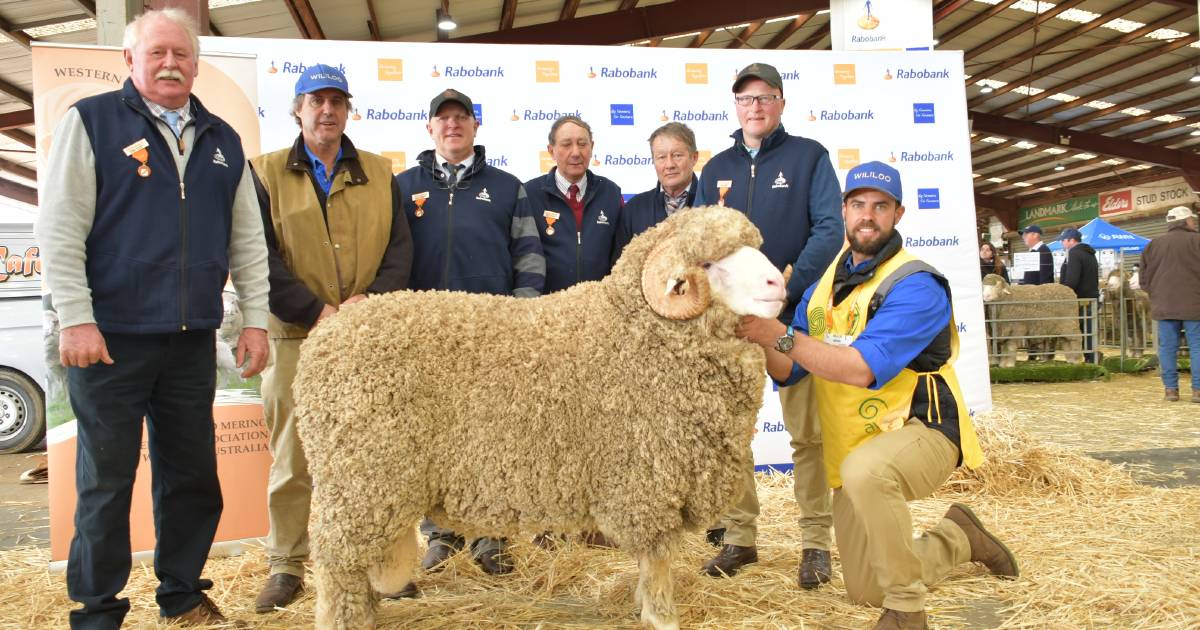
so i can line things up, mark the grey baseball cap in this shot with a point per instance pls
(763, 71)
(450, 95)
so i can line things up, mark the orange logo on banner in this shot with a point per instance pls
(547, 71)
(272, 69)
(354, 115)
(399, 161)
(695, 73)
(391, 69)
(843, 74)
(848, 159)
(887, 74)
(545, 161)
(704, 157)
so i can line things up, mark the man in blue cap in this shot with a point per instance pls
(877, 334)
(1081, 272)
(336, 233)
(1044, 274)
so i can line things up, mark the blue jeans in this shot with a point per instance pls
(1168, 349)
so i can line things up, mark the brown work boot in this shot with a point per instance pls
(1196, 395)
(205, 613)
(815, 568)
(1171, 394)
(495, 562)
(438, 553)
(898, 620)
(730, 560)
(598, 540)
(408, 592)
(281, 590)
(985, 548)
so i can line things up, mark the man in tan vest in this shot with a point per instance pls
(335, 234)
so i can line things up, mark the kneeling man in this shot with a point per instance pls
(877, 333)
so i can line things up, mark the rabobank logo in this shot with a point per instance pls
(931, 240)
(923, 113)
(926, 156)
(471, 72)
(843, 115)
(929, 199)
(699, 115)
(910, 74)
(390, 69)
(499, 161)
(544, 115)
(394, 114)
(290, 67)
(621, 113)
(627, 159)
(619, 72)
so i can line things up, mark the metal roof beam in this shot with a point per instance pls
(569, 8)
(13, 190)
(1085, 141)
(974, 20)
(508, 14)
(627, 5)
(660, 20)
(788, 30)
(700, 38)
(19, 118)
(743, 38)
(1186, 65)
(818, 35)
(943, 10)
(23, 137)
(16, 92)
(18, 169)
(15, 35)
(1033, 22)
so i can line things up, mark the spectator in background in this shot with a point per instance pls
(1081, 272)
(1171, 275)
(673, 148)
(991, 262)
(1032, 235)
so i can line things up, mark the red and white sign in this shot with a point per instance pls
(1118, 202)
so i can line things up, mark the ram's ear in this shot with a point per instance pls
(674, 290)
(787, 275)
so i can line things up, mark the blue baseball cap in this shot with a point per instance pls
(876, 176)
(320, 77)
(1071, 233)
(1033, 227)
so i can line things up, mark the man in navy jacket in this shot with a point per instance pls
(673, 149)
(787, 187)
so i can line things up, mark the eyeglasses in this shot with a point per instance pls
(746, 100)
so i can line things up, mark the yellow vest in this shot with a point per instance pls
(852, 415)
(334, 260)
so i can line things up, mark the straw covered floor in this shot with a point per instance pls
(1096, 549)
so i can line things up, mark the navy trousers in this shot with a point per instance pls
(170, 380)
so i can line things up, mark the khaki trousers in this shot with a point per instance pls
(881, 562)
(809, 484)
(289, 487)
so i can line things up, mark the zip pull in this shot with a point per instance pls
(579, 238)
(452, 197)
(182, 190)
(752, 170)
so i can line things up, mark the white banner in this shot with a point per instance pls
(908, 109)
(881, 24)
(1147, 197)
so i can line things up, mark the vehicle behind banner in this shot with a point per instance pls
(22, 368)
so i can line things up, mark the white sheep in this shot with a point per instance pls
(624, 406)
(1136, 312)
(1046, 312)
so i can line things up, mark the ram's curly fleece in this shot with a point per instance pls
(1048, 312)
(581, 410)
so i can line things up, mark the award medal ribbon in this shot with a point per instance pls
(419, 199)
(723, 187)
(550, 216)
(140, 151)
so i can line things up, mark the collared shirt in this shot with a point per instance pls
(753, 151)
(465, 164)
(564, 186)
(323, 176)
(185, 113)
(676, 202)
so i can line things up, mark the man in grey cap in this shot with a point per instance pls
(787, 186)
(473, 230)
(1169, 275)
(335, 234)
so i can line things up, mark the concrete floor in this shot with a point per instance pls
(24, 515)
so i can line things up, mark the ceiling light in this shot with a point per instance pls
(1195, 76)
(444, 21)
(1059, 167)
(1195, 133)
(986, 89)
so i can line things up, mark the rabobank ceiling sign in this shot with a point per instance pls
(881, 24)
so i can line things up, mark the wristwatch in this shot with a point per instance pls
(784, 344)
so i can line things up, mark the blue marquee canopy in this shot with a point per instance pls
(1101, 234)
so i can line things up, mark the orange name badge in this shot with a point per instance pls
(550, 216)
(723, 186)
(140, 151)
(419, 199)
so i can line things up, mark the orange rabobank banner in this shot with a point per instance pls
(227, 85)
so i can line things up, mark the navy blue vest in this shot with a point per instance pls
(157, 254)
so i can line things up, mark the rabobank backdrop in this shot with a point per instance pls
(905, 108)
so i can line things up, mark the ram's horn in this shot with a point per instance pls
(673, 291)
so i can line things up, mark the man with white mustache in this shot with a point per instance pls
(148, 207)
(877, 335)
(786, 185)
(336, 233)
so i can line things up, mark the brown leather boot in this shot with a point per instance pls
(205, 613)
(598, 540)
(985, 548)
(1171, 394)
(281, 589)
(1196, 395)
(899, 620)
(730, 560)
(814, 568)
(408, 592)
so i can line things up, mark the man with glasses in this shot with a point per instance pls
(673, 148)
(786, 185)
(472, 230)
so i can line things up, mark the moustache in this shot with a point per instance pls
(169, 74)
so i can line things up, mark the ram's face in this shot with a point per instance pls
(992, 292)
(748, 283)
(1114, 280)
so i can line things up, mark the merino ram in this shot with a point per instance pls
(624, 406)
(1046, 312)
(1136, 313)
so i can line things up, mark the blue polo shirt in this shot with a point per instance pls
(323, 177)
(915, 311)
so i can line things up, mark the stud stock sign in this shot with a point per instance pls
(1148, 198)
